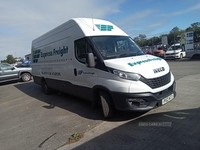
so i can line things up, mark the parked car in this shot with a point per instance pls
(12, 73)
(149, 52)
(159, 52)
(175, 51)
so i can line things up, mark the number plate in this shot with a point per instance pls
(167, 99)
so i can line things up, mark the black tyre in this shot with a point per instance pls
(181, 56)
(25, 77)
(107, 105)
(46, 89)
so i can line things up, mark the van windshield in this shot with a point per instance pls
(176, 47)
(116, 46)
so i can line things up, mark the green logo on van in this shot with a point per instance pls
(143, 61)
(36, 55)
(39, 54)
(103, 27)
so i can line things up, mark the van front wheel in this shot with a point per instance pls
(107, 105)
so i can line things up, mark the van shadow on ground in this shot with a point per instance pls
(166, 130)
(183, 60)
(162, 131)
(71, 103)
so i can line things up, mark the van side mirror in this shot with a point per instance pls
(90, 60)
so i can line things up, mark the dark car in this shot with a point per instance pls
(11, 73)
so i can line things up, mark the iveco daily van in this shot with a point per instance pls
(95, 60)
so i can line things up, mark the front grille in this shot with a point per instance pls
(157, 82)
(170, 54)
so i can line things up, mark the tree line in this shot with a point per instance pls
(173, 36)
(10, 59)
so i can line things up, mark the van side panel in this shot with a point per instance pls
(55, 67)
(53, 55)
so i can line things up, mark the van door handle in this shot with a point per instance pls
(75, 72)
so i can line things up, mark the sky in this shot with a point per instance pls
(21, 21)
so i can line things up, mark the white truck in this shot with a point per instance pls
(175, 52)
(95, 60)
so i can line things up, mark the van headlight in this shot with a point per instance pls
(127, 75)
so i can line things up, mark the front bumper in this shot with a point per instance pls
(172, 56)
(141, 101)
(160, 55)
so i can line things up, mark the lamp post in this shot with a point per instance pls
(174, 47)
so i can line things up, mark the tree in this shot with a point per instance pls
(3, 61)
(142, 36)
(10, 59)
(141, 40)
(189, 29)
(195, 26)
(173, 36)
(156, 40)
(136, 39)
(175, 30)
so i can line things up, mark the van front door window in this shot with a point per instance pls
(81, 49)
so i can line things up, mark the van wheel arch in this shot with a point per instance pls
(196, 56)
(106, 103)
(96, 101)
(45, 87)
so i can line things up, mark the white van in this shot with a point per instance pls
(95, 60)
(193, 54)
(175, 51)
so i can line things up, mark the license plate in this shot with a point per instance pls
(167, 99)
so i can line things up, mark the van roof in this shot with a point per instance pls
(89, 27)
(92, 27)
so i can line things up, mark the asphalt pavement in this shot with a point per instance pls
(173, 126)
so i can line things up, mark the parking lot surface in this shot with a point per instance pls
(31, 120)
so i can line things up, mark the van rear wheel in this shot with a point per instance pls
(107, 105)
(45, 88)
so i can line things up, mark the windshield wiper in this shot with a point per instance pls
(123, 55)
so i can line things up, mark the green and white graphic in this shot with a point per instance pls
(36, 55)
(103, 27)
(44, 54)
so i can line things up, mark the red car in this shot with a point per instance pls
(159, 52)
(149, 52)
